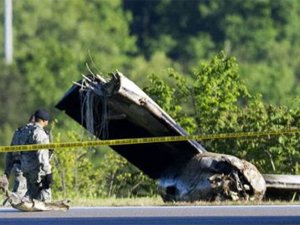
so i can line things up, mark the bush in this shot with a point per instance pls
(75, 175)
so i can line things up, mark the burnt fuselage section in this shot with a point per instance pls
(119, 109)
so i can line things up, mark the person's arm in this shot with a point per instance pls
(43, 154)
(45, 173)
(51, 151)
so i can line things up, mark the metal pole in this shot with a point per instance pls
(8, 45)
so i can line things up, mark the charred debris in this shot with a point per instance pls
(185, 171)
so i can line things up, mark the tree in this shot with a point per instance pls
(261, 34)
(56, 41)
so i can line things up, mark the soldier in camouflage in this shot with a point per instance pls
(13, 159)
(35, 165)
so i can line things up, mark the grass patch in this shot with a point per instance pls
(145, 201)
(157, 201)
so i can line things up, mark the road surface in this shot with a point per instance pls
(283, 214)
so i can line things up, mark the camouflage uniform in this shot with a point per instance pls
(36, 166)
(13, 160)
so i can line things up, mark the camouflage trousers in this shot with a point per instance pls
(20, 183)
(35, 189)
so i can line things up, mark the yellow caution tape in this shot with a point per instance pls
(145, 140)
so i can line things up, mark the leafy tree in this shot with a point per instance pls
(53, 43)
(263, 36)
(12, 97)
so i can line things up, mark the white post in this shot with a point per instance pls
(8, 45)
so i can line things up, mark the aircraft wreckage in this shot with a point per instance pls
(185, 171)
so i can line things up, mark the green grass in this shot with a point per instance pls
(145, 201)
(157, 201)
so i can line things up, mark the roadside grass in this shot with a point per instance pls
(157, 201)
(143, 201)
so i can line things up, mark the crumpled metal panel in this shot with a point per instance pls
(210, 176)
(120, 109)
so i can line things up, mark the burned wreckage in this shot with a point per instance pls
(185, 171)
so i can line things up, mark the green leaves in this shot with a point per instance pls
(54, 43)
(262, 35)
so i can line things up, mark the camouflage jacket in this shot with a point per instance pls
(37, 161)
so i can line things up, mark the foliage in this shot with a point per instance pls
(263, 36)
(51, 53)
(12, 97)
(121, 179)
(222, 104)
(76, 176)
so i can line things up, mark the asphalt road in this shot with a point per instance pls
(213, 215)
